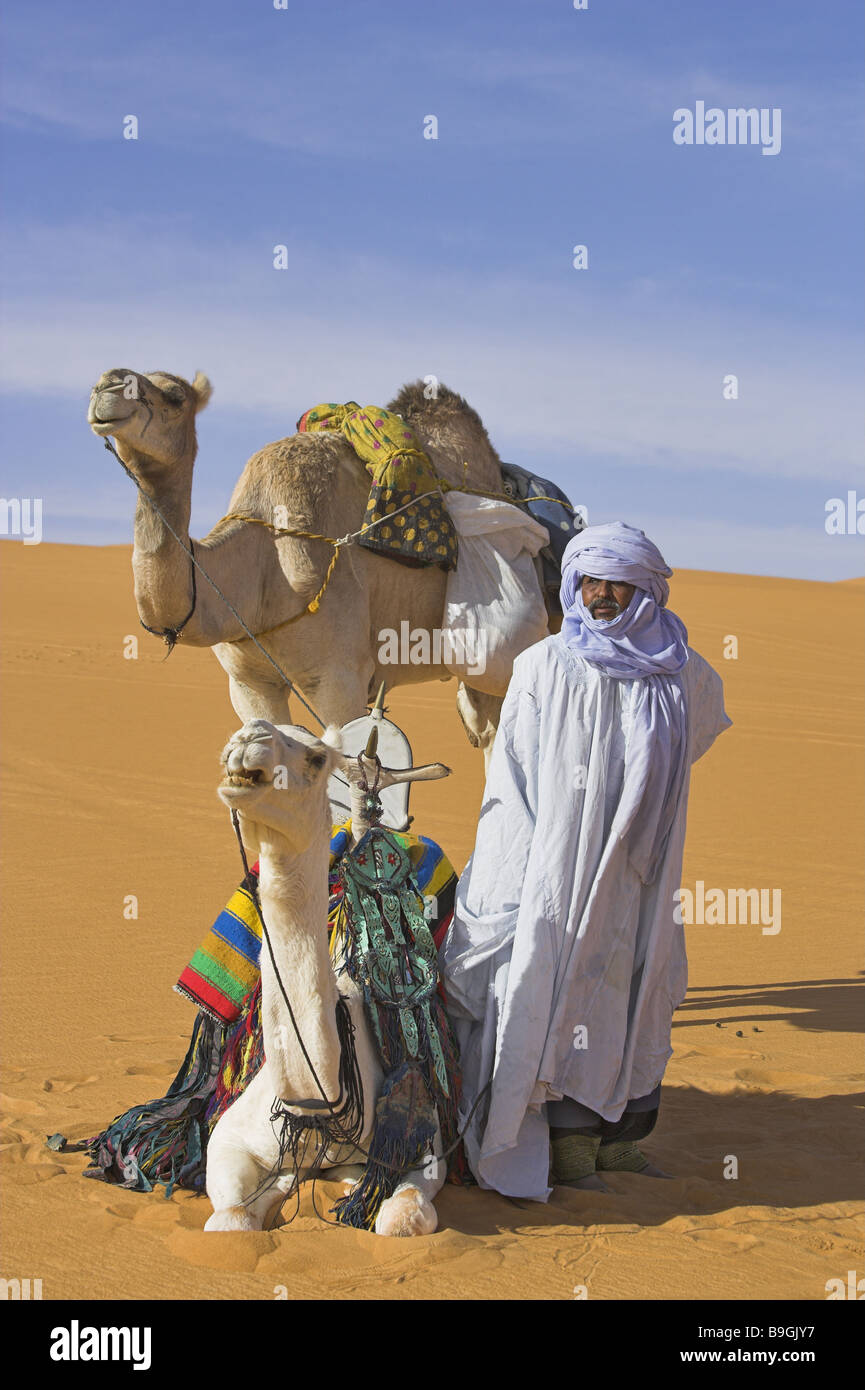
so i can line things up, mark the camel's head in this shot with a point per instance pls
(275, 777)
(153, 414)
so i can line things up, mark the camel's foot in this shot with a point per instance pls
(590, 1183)
(233, 1219)
(407, 1213)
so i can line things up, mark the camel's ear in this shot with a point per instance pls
(203, 391)
(347, 764)
(332, 736)
(320, 758)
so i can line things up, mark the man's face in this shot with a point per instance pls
(605, 598)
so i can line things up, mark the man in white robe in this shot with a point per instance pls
(564, 962)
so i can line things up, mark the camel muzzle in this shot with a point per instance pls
(105, 408)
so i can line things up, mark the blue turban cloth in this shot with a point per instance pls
(648, 645)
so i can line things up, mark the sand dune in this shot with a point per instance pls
(109, 771)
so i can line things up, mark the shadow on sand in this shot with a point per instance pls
(820, 1005)
(792, 1152)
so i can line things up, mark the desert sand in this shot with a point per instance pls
(109, 776)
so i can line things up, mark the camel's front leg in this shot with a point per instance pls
(336, 699)
(262, 701)
(410, 1211)
(241, 1154)
(480, 715)
(342, 694)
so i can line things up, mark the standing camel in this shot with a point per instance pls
(276, 780)
(309, 482)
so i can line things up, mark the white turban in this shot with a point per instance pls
(615, 551)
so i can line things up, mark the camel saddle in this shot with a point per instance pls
(406, 518)
(548, 505)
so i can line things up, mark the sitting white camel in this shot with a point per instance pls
(276, 779)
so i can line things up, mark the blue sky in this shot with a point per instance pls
(410, 257)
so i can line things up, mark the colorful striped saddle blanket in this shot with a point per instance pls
(225, 968)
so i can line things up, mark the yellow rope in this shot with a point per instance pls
(277, 530)
(346, 540)
(312, 606)
(314, 603)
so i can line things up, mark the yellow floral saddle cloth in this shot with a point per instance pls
(400, 520)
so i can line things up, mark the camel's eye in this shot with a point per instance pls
(316, 760)
(174, 394)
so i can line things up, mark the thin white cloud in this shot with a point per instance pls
(567, 366)
(752, 547)
(485, 95)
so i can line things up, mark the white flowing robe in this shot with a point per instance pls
(553, 929)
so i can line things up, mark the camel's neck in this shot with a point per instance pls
(173, 497)
(294, 902)
(163, 588)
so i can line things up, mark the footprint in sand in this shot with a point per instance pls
(731, 1242)
(237, 1252)
(14, 1150)
(777, 1080)
(30, 1163)
(41, 1172)
(20, 1105)
(140, 1041)
(155, 1069)
(64, 1084)
(120, 1212)
(12, 1137)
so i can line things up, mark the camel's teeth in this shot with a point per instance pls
(244, 778)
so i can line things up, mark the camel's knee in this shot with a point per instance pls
(233, 1175)
(407, 1213)
(268, 701)
(480, 715)
(233, 1219)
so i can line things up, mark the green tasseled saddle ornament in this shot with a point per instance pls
(382, 941)
(390, 953)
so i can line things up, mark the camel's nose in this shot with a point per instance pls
(256, 731)
(118, 376)
(110, 398)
